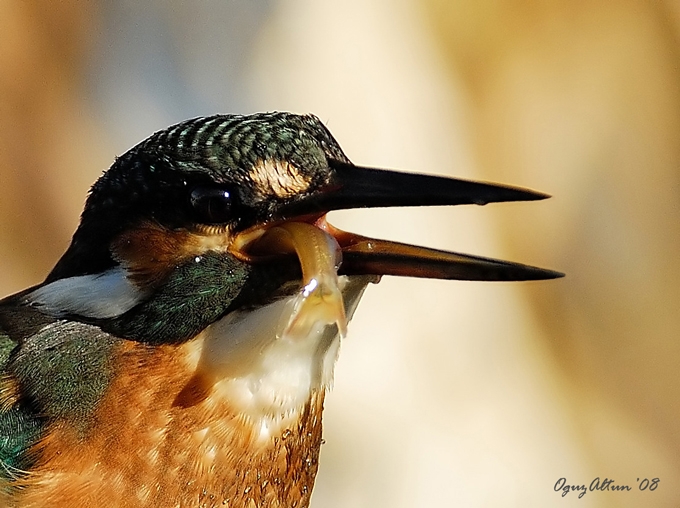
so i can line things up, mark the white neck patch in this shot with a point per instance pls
(266, 374)
(104, 295)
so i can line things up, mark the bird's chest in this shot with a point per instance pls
(164, 436)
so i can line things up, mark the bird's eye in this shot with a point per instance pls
(212, 205)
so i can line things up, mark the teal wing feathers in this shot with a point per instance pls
(50, 370)
(19, 427)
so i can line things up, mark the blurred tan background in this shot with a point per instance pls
(446, 393)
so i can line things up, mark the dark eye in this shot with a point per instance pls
(212, 205)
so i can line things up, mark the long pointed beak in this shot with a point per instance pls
(359, 187)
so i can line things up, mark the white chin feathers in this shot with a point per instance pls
(264, 369)
(104, 295)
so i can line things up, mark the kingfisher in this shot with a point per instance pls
(179, 352)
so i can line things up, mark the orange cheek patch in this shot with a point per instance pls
(150, 252)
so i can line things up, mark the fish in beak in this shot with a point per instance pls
(300, 228)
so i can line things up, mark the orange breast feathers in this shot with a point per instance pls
(145, 449)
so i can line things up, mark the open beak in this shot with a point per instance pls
(324, 252)
(359, 187)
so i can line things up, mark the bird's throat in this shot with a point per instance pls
(268, 374)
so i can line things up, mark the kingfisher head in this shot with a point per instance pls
(216, 227)
(195, 317)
